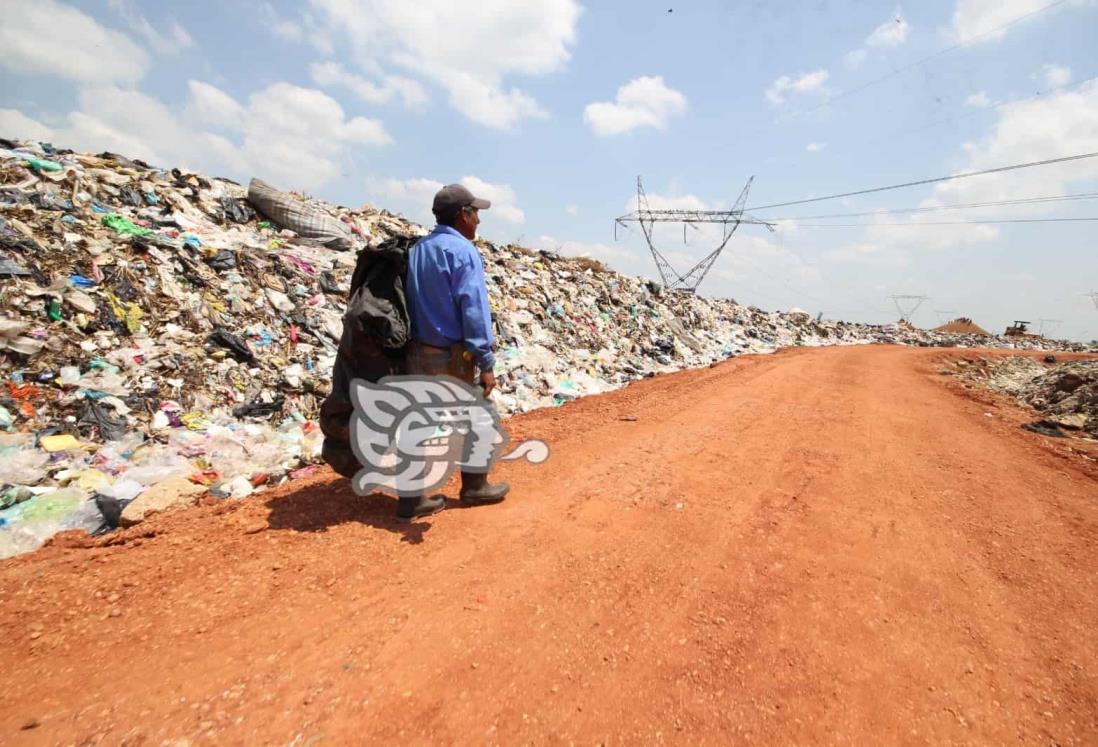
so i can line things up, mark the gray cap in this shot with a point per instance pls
(454, 196)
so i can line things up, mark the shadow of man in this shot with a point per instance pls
(317, 507)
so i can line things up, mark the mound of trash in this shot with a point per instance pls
(963, 326)
(1066, 394)
(162, 328)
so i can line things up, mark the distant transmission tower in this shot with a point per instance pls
(908, 305)
(729, 220)
(1094, 297)
(1047, 324)
(945, 316)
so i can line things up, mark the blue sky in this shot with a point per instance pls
(553, 107)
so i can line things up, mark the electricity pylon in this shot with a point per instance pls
(908, 305)
(1049, 324)
(729, 220)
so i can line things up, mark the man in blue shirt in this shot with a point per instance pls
(451, 321)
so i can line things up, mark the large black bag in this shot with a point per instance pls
(376, 330)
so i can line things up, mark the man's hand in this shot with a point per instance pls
(487, 382)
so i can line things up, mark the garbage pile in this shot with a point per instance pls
(1066, 394)
(164, 328)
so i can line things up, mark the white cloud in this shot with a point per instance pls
(411, 93)
(1025, 131)
(815, 147)
(891, 33)
(980, 20)
(299, 135)
(414, 197)
(657, 201)
(1031, 130)
(138, 126)
(812, 82)
(48, 38)
(865, 253)
(287, 30)
(855, 58)
(305, 29)
(642, 102)
(1057, 75)
(978, 100)
(467, 48)
(296, 137)
(487, 104)
(16, 124)
(174, 41)
(572, 210)
(210, 105)
(501, 196)
(611, 254)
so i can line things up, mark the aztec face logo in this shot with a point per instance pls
(411, 432)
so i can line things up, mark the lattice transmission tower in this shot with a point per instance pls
(908, 305)
(729, 220)
(1094, 297)
(945, 316)
(1047, 325)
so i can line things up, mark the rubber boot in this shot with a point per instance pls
(477, 491)
(417, 506)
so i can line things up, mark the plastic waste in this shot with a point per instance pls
(125, 226)
(28, 524)
(39, 164)
(123, 490)
(60, 442)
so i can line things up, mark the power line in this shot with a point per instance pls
(946, 223)
(963, 175)
(991, 107)
(956, 206)
(898, 71)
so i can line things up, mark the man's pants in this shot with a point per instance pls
(425, 360)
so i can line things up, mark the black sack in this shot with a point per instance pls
(377, 309)
(376, 330)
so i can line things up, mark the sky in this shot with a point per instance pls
(553, 108)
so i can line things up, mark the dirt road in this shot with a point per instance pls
(821, 546)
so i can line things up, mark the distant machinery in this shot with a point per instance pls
(1018, 329)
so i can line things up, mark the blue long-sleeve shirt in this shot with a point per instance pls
(447, 295)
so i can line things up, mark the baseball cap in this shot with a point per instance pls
(454, 196)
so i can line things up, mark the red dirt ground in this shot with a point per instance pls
(837, 545)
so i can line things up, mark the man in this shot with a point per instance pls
(451, 321)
